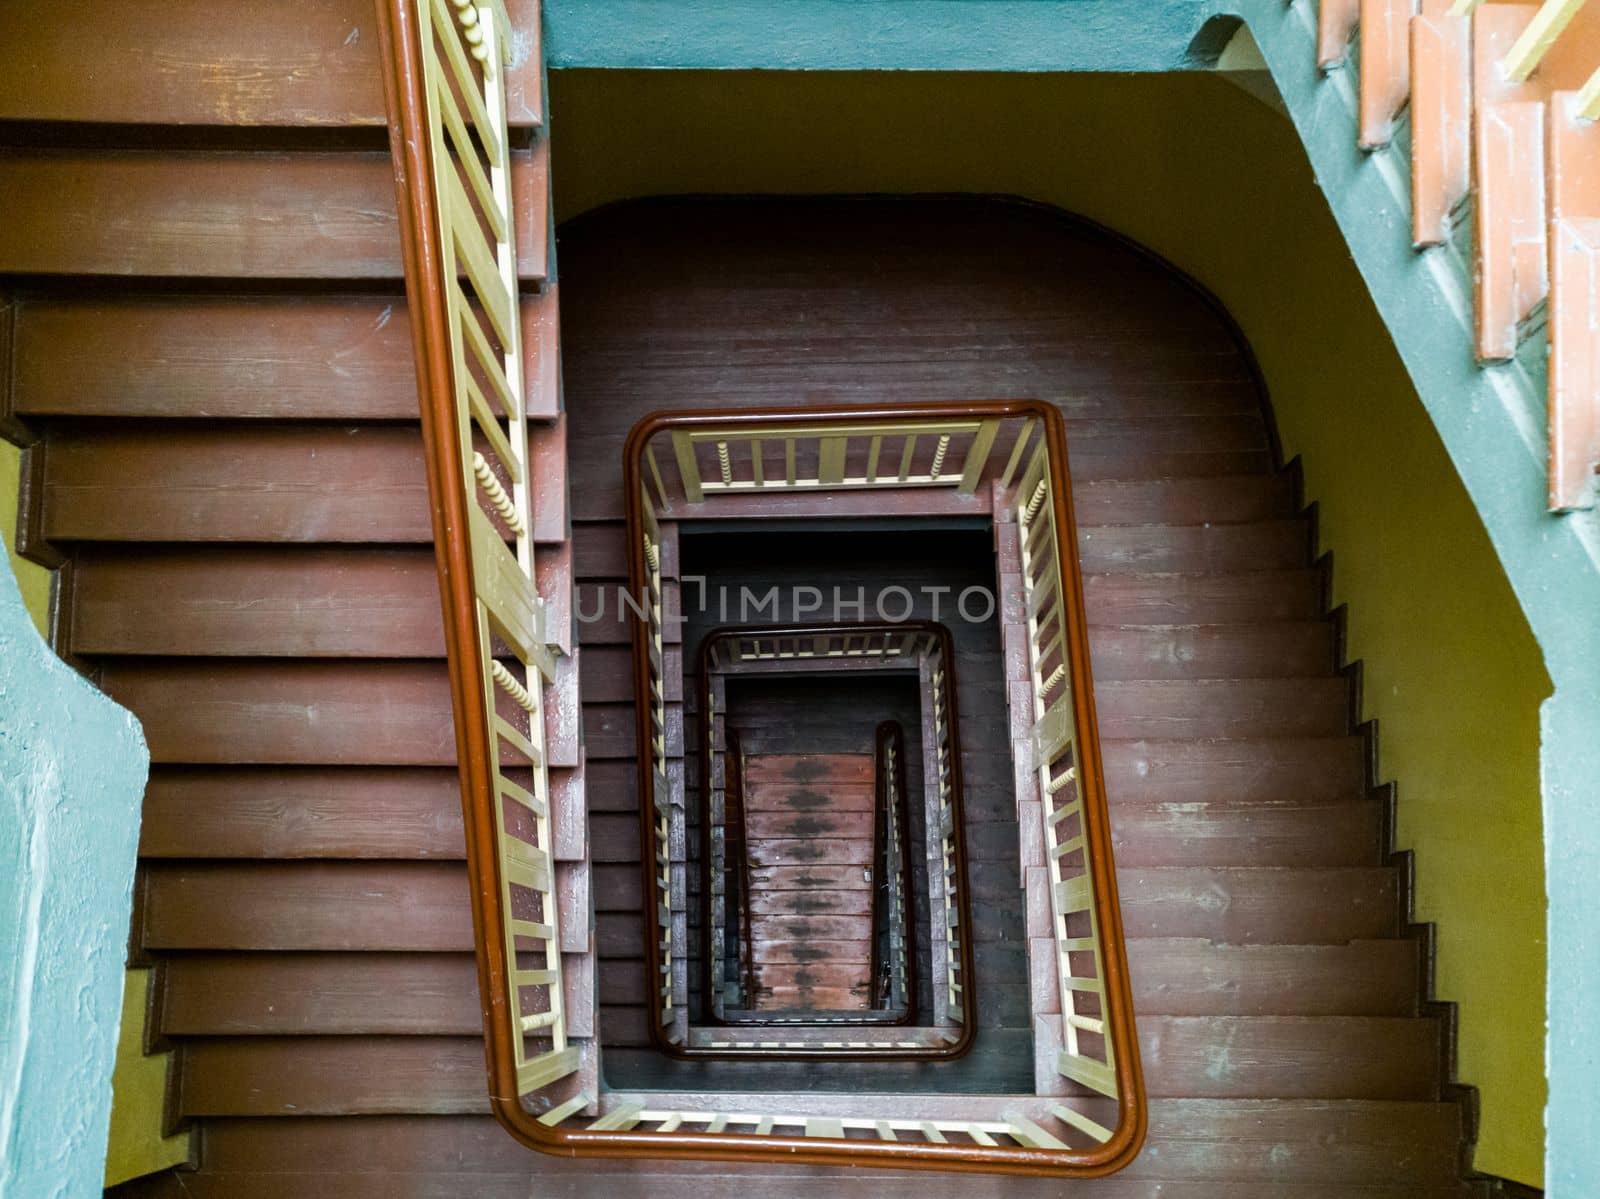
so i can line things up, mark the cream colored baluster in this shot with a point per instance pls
(688, 468)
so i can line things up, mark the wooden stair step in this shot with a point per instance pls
(547, 454)
(614, 836)
(772, 904)
(605, 619)
(306, 906)
(1193, 977)
(1384, 30)
(225, 712)
(327, 994)
(1232, 500)
(608, 731)
(1441, 122)
(1244, 597)
(1223, 708)
(563, 714)
(1256, 905)
(575, 895)
(600, 549)
(569, 823)
(805, 850)
(1219, 833)
(1298, 648)
(1167, 770)
(1510, 268)
(301, 713)
(303, 812)
(1213, 1149)
(607, 676)
(1194, 549)
(613, 789)
(268, 67)
(1341, 1058)
(226, 214)
(266, 483)
(774, 779)
(552, 571)
(243, 601)
(774, 823)
(277, 483)
(218, 357)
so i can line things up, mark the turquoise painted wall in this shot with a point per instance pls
(72, 773)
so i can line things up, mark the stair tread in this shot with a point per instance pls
(225, 214)
(268, 67)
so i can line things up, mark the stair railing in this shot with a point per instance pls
(442, 64)
(662, 806)
(445, 81)
(833, 448)
(894, 951)
(1066, 763)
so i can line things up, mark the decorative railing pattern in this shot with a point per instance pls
(452, 144)
(918, 646)
(741, 459)
(670, 1014)
(1070, 825)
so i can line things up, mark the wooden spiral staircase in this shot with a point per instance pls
(208, 356)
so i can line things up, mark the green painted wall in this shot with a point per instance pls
(1214, 180)
(32, 580)
(135, 1146)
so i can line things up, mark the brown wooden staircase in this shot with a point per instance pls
(209, 350)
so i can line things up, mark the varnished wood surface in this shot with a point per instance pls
(809, 822)
(190, 63)
(224, 214)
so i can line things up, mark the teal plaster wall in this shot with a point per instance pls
(72, 771)
(874, 35)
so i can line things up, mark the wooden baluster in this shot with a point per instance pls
(688, 467)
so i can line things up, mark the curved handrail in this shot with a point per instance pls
(548, 1102)
(1069, 775)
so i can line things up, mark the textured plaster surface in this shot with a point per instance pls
(72, 770)
(874, 35)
